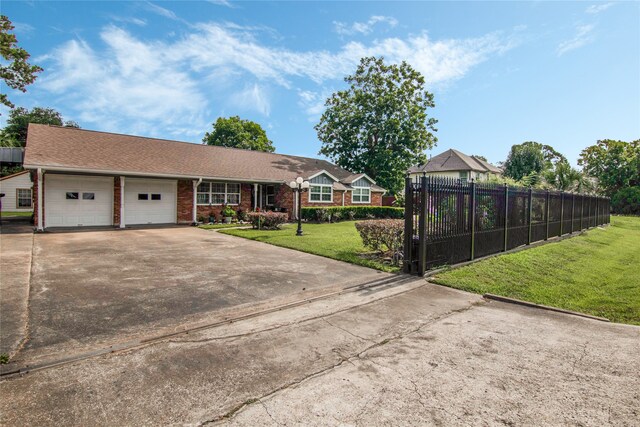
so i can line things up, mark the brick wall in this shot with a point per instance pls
(34, 195)
(245, 204)
(116, 200)
(185, 201)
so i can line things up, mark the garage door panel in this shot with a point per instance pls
(77, 200)
(150, 201)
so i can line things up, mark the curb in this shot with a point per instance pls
(542, 307)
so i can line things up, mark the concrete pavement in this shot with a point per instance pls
(16, 243)
(411, 354)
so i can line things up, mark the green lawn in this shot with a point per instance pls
(596, 273)
(9, 214)
(218, 226)
(339, 241)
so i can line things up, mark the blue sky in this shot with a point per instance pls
(560, 73)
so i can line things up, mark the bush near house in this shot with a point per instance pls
(626, 201)
(382, 235)
(337, 213)
(267, 220)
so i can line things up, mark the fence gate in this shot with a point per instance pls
(448, 221)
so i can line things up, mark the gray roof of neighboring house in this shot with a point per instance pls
(64, 148)
(454, 160)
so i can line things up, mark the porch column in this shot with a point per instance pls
(122, 224)
(40, 210)
(255, 196)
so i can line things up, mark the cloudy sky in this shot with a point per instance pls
(564, 74)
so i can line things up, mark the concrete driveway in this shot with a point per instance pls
(95, 288)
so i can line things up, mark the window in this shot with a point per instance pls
(321, 193)
(156, 197)
(361, 195)
(72, 195)
(271, 195)
(23, 198)
(463, 177)
(88, 196)
(218, 193)
(143, 196)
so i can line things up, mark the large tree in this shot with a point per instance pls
(238, 133)
(530, 158)
(15, 71)
(379, 125)
(615, 164)
(15, 132)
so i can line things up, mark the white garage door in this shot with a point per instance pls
(77, 200)
(149, 201)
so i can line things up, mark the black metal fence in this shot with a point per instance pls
(448, 221)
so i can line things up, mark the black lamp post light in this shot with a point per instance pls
(299, 186)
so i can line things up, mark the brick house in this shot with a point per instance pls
(90, 178)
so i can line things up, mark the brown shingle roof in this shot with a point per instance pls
(63, 148)
(454, 160)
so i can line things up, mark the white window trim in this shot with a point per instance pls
(320, 201)
(226, 193)
(361, 203)
(30, 190)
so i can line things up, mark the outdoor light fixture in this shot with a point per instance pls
(299, 186)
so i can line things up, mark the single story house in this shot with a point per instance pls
(454, 164)
(17, 190)
(89, 178)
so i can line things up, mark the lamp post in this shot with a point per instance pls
(299, 186)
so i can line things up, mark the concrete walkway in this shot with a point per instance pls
(413, 354)
(16, 244)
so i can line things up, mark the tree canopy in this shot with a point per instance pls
(16, 73)
(530, 158)
(15, 132)
(615, 164)
(379, 125)
(238, 133)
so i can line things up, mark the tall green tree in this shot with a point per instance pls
(15, 132)
(379, 125)
(615, 164)
(530, 158)
(238, 133)
(15, 71)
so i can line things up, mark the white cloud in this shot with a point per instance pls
(597, 8)
(363, 27)
(583, 36)
(222, 3)
(21, 27)
(155, 86)
(254, 98)
(130, 20)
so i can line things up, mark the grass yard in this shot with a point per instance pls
(219, 226)
(339, 241)
(11, 214)
(596, 273)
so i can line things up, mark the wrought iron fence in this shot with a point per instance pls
(448, 221)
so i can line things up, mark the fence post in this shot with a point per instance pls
(573, 209)
(589, 213)
(581, 212)
(422, 226)
(561, 211)
(530, 214)
(506, 214)
(472, 209)
(408, 224)
(546, 236)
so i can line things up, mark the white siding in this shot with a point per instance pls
(9, 186)
(483, 176)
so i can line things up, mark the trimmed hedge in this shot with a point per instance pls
(626, 201)
(385, 236)
(267, 220)
(341, 213)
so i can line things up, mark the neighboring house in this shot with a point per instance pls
(17, 192)
(89, 178)
(454, 164)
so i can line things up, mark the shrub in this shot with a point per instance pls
(351, 212)
(382, 235)
(267, 220)
(228, 211)
(626, 201)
